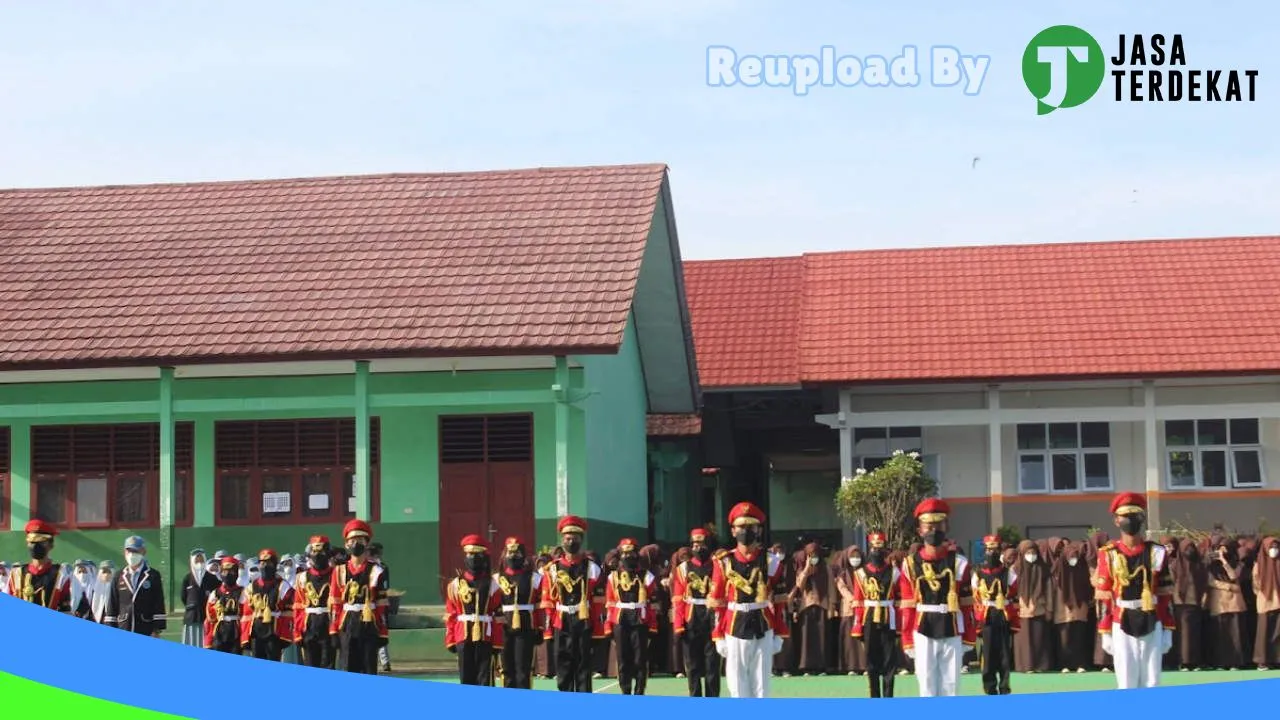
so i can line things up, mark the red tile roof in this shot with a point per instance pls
(673, 425)
(510, 262)
(745, 317)
(1117, 309)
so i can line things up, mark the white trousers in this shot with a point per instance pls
(748, 665)
(938, 663)
(1137, 659)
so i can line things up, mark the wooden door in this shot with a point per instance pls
(486, 483)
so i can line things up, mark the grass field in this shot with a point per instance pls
(827, 686)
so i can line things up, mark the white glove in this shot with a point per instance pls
(777, 644)
(1106, 643)
(722, 648)
(1166, 642)
(909, 652)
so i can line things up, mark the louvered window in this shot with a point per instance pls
(107, 476)
(486, 438)
(290, 471)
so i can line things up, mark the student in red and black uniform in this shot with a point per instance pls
(570, 583)
(472, 603)
(522, 618)
(876, 609)
(995, 613)
(693, 619)
(268, 627)
(41, 581)
(358, 599)
(224, 608)
(311, 609)
(630, 619)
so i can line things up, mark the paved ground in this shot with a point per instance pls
(826, 686)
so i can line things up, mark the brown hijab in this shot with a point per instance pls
(1232, 548)
(1190, 577)
(1268, 570)
(1072, 583)
(818, 580)
(1033, 578)
(1096, 544)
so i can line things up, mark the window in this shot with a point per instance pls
(290, 471)
(1064, 457)
(883, 442)
(107, 476)
(5, 468)
(1213, 454)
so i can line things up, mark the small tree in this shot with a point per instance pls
(885, 498)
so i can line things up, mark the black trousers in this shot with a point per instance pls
(317, 652)
(573, 656)
(475, 662)
(996, 656)
(701, 663)
(228, 646)
(631, 642)
(358, 648)
(266, 648)
(881, 643)
(517, 658)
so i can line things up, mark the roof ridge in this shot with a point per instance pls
(1056, 244)
(302, 179)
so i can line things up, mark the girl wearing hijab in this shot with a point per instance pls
(783, 660)
(675, 648)
(1226, 606)
(252, 567)
(814, 588)
(288, 572)
(196, 586)
(1190, 587)
(1248, 557)
(82, 589)
(102, 588)
(1074, 599)
(853, 654)
(1101, 659)
(1033, 646)
(1266, 588)
(4, 578)
(651, 560)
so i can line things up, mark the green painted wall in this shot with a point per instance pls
(802, 501)
(616, 484)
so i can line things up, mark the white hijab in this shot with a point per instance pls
(198, 569)
(100, 591)
(250, 572)
(4, 579)
(82, 589)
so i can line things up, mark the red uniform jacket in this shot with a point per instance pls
(472, 616)
(1125, 576)
(620, 596)
(268, 603)
(738, 591)
(690, 588)
(358, 589)
(311, 598)
(564, 583)
(521, 600)
(224, 606)
(991, 592)
(876, 599)
(45, 585)
(917, 594)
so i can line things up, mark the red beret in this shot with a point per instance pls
(698, 535)
(991, 541)
(513, 543)
(876, 538)
(1128, 503)
(744, 513)
(230, 561)
(357, 528)
(268, 554)
(39, 531)
(932, 510)
(626, 545)
(318, 540)
(571, 524)
(474, 543)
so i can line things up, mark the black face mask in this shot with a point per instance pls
(746, 536)
(357, 549)
(702, 553)
(229, 579)
(320, 561)
(876, 557)
(630, 562)
(934, 538)
(515, 562)
(39, 551)
(477, 564)
(993, 559)
(267, 571)
(572, 545)
(1130, 525)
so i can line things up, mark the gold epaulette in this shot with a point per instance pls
(908, 604)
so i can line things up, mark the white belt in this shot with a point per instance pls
(631, 606)
(989, 603)
(747, 607)
(318, 611)
(696, 601)
(933, 609)
(354, 608)
(259, 615)
(1129, 604)
(513, 608)
(567, 608)
(228, 618)
(877, 603)
(486, 619)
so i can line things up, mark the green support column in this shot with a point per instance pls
(167, 494)
(364, 498)
(19, 475)
(561, 389)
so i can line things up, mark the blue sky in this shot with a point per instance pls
(124, 92)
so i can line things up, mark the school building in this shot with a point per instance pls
(1035, 380)
(240, 365)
